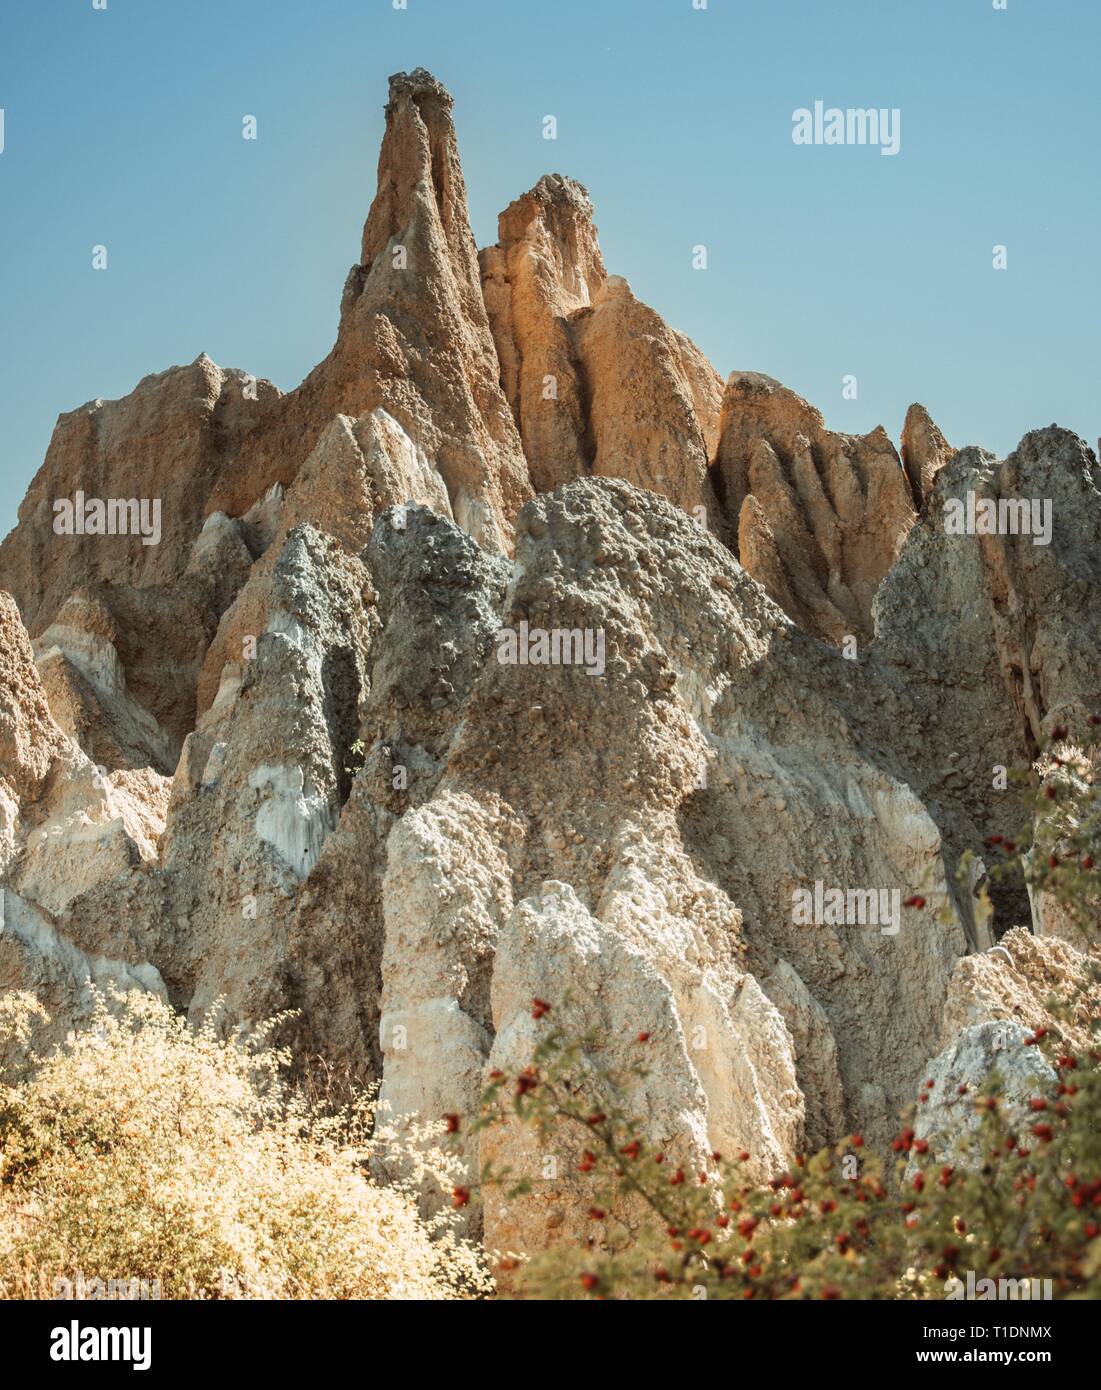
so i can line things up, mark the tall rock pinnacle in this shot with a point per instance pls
(574, 344)
(414, 337)
(925, 451)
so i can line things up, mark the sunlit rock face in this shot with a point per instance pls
(513, 655)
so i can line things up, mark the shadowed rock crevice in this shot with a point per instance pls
(340, 683)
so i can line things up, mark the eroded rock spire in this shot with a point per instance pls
(413, 338)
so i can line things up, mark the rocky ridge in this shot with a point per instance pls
(288, 758)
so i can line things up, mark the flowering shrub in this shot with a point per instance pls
(145, 1150)
(1017, 1201)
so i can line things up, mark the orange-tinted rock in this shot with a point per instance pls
(643, 395)
(837, 506)
(598, 382)
(167, 442)
(413, 338)
(546, 266)
(925, 451)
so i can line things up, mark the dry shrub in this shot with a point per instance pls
(144, 1149)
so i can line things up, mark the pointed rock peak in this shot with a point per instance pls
(414, 336)
(574, 342)
(556, 199)
(560, 188)
(925, 451)
(614, 287)
(551, 224)
(419, 156)
(419, 86)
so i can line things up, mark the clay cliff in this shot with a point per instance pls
(306, 750)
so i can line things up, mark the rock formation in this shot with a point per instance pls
(925, 451)
(414, 337)
(575, 346)
(510, 656)
(820, 517)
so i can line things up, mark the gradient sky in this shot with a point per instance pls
(123, 127)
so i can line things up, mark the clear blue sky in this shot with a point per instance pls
(123, 127)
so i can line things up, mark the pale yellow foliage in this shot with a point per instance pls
(144, 1149)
